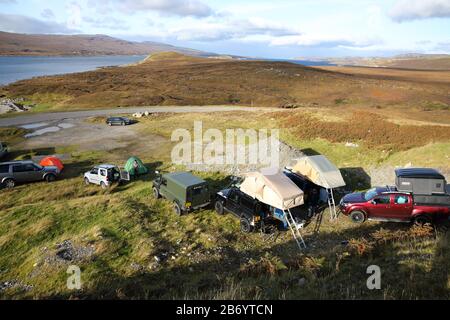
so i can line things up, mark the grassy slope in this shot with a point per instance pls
(211, 258)
(173, 79)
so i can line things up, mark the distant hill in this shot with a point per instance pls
(81, 45)
(405, 61)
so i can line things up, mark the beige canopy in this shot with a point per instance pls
(276, 190)
(320, 171)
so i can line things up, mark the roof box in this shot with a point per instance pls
(420, 181)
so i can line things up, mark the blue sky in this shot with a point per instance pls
(271, 29)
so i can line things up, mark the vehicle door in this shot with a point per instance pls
(380, 207)
(233, 204)
(402, 207)
(163, 187)
(4, 171)
(23, 172)
(102, 175)
(93, 176)
(247, 206)
(35, 172)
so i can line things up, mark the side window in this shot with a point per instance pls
(383, 199)
(4, 168)
(29, 167)
(234, 196)
(103, 173)
(401, 199)
(94, 171)
(19, 168)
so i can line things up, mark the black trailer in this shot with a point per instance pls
(420, 181)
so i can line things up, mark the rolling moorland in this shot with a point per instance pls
(175, 79)
(408, 61)
(130, 245)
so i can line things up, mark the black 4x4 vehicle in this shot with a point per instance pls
(252, 212)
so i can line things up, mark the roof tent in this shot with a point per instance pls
(420, 181)
(320, 171)
(276, 190)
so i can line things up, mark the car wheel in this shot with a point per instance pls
(110, 124)
(123, 123)
(103, 185)
(422, 220)
(156, 193)
(86, 181)
(177, 209)
(219, 207)
(358, 216)
(50, 178)
(9, 183)
(246, 227)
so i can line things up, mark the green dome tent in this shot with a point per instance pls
(135, 166)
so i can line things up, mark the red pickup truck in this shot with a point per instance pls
(387, 204)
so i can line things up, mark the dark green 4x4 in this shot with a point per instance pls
(186, 191)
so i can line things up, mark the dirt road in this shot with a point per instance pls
(23, 119)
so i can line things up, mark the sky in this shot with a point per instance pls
(282, 29)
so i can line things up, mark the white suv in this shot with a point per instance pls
(105, 175)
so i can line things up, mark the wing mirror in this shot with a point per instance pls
(157, 172)
(373, 202)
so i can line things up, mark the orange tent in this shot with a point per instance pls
(52, 162)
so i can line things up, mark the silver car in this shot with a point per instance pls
(12, 173)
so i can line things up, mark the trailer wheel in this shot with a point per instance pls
(358, 216)
(422, 220)
(219, 207)
(246, 227)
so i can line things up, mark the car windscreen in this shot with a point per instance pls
(370, 194)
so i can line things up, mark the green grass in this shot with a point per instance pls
(207, 255)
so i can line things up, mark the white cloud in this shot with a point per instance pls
(23, 24)
(233, 29)
(405, 10)
(183, 8)
(323, 41)
(106, 23)
(47, 14)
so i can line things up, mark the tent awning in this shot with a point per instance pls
(320, 171)
(275, 190)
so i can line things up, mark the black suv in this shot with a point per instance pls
(118, 121)
(253, 213)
